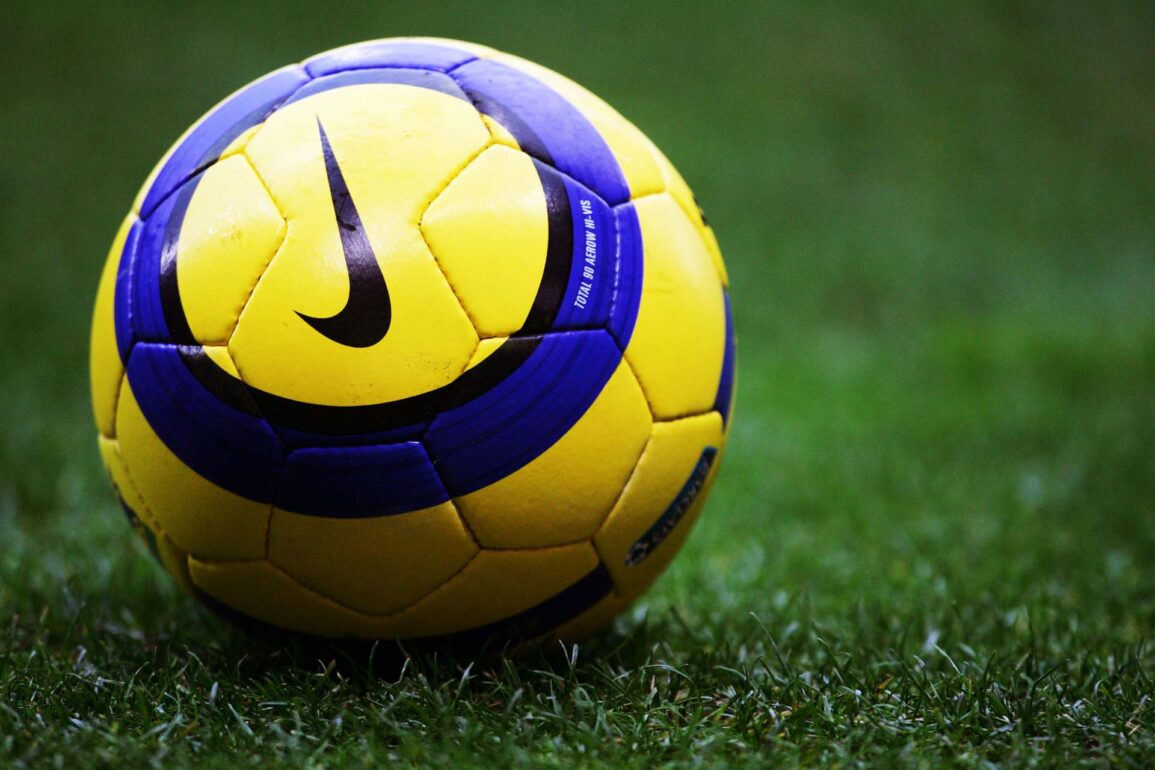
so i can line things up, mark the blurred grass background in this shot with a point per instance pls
(939, 220)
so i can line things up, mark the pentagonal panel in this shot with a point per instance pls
(375, 565)
(377, 154)
(105, 367)
(230, 232)
(679, 341)
(565, 493)
(661, 502)
(200, 517)
(489, 231)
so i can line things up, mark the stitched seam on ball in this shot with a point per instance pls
(433, 196)
(449, 499)
(280, 471)
(337, 602)
(151, 521)
(492, 141)
(158, 532)
(116, 396)
(452, 502)
(621, 492)
(567, 544)
(269, 262)
(650, 403)
(153, 525)
(206, 166)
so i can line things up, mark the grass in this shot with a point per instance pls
(933, 541)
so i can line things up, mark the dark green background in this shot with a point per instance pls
(938, 220)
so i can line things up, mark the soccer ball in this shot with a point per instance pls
(414, 340)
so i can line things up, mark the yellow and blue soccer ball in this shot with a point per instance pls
(415, 339)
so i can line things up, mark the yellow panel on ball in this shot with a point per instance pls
(172, 558)
(565, 493)
(680, 338)
(408, 555)
(489, 231)
(494, 586)
(676, 186)
(105, 368)
(200, 517)
(230, 233)
(660, 504)
(265, 593)
(122, 481)
(396, 147)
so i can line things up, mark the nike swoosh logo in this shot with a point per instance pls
(365, 319)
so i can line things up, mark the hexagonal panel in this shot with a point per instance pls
(489, 231)
(679, 341)
(267, 594)
(374, 565)
(495, 586)
(661, 502)
(230, 232)
(676, 186)
(565, 493)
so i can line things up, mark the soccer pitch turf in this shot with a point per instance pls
(932, 542)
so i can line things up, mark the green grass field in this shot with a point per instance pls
(932, 543)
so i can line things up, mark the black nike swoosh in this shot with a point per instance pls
(365, 319)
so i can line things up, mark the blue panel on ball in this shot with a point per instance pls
(571, 143)
(157, 244)
(628, 279)
(360, 482)
(388, 53)
(219, 128)
(122, 295)
(498, 432)
(434, 81)
(590, 290)
(726, 382)
(234, 450)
